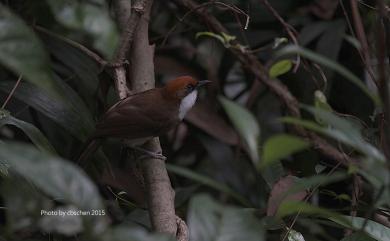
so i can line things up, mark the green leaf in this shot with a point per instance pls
(58, 178)
(246, 124)
(281, 146)
(339, 129)
(312, 31)
(23, 53)
(91, 18)
(279, 41)
(353, 41)
(211, 221)
(291, 207)
(295, 236)
(224, 38)
(307, 183)
(279, 68)
(30, 130)
(70, 114)
(329, 43)
(294, 49)
(66, 224)
(184, 172)
(373, 229)
(125, 233)
(227, 37)
(358, 236)
(272, 172)
(82, 69)
(320, 102)
(23, 204)
(374, 166)
(211, 34)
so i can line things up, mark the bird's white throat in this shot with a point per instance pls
(186, 103)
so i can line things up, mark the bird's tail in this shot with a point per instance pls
(90, 146)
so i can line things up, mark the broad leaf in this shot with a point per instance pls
(279, 68)
(126, 233)
(278, 195)
(246, 124)
(80, 68)
(23, 53)
(340, 129)
(211, 221)
(91, 18)
(58, 178)
(307, 183)
(373, 229)
(281, 146)
(30, 130)
(293, 49)
(71, 114)
(292, 207)
(223, 37)
(63, 224)
(272, 172)
(23, 203)
(208, 182)
(358, 236)
(330, 42)
(295, 236)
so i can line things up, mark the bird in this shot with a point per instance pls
(144, 115)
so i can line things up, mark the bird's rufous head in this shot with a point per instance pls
(182, 86)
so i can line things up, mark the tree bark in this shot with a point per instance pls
(159, 193)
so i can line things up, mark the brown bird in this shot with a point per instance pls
(145, 115)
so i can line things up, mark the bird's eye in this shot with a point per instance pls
(190, 87)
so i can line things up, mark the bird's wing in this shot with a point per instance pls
(135, 117)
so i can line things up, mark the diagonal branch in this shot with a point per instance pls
(250, 61)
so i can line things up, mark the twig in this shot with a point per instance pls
(182, 230)
(361, 36)
(234, 8)
(253, 93)
(74, 44)
(11, 93)
(289, 29)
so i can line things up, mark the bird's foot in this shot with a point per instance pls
(148, 154)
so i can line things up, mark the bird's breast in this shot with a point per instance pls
(187, 103)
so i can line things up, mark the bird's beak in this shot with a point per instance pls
(202, 82)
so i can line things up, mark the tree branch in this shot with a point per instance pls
(159, 192)
(125, 42)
